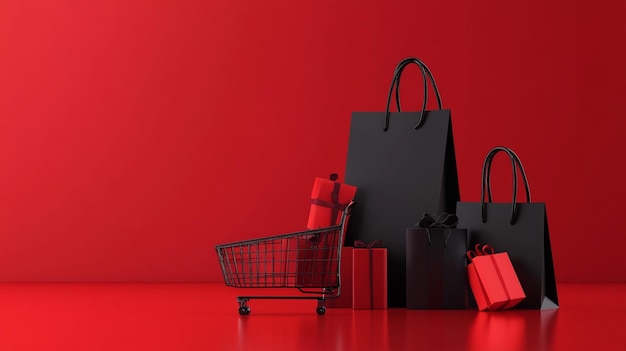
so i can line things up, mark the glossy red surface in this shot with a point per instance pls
(204, 317)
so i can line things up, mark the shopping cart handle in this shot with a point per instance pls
(348, 208)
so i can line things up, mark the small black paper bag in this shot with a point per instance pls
(436, 269)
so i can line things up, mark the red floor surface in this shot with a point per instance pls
(204, 317)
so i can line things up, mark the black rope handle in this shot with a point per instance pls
(486, 181)
(427, 70)
(488, 160)
(521, 170)
(396, 83)
(396, 74)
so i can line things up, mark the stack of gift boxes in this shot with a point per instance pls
(363, 266)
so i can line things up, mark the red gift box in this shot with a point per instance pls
(493, 280)
(369, 276)
(345, 298)
(328, 199)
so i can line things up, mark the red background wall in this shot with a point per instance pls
(135, 135)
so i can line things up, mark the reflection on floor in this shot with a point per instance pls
(204, 317)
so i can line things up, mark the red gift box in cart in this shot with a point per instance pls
(277, 262)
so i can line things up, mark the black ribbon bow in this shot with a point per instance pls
(373, 244)
(444, 220)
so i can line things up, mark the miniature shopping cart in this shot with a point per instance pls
(306, 260)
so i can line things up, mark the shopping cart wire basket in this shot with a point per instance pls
(306, 260)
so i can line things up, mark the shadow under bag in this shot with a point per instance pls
(403, 164)
(520, 229)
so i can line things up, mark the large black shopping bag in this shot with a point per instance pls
(521, 229)
(436, 271)
(403, 163)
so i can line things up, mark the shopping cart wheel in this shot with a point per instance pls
(244, 310)
(321, 310)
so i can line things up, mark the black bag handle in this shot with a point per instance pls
(402, 65)
(396, 83)
(486, 181)
(512, 154)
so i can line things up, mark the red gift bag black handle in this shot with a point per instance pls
(486, 181)
(395, 83)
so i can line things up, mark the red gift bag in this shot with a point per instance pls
(369, 276)
(493, 280)
(328, 199)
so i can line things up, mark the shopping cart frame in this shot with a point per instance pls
(322, 292)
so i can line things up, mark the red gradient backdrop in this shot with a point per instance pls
(135, 135)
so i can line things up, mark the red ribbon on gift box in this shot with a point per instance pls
(362, 245)
(501, 266)
(487, 250)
